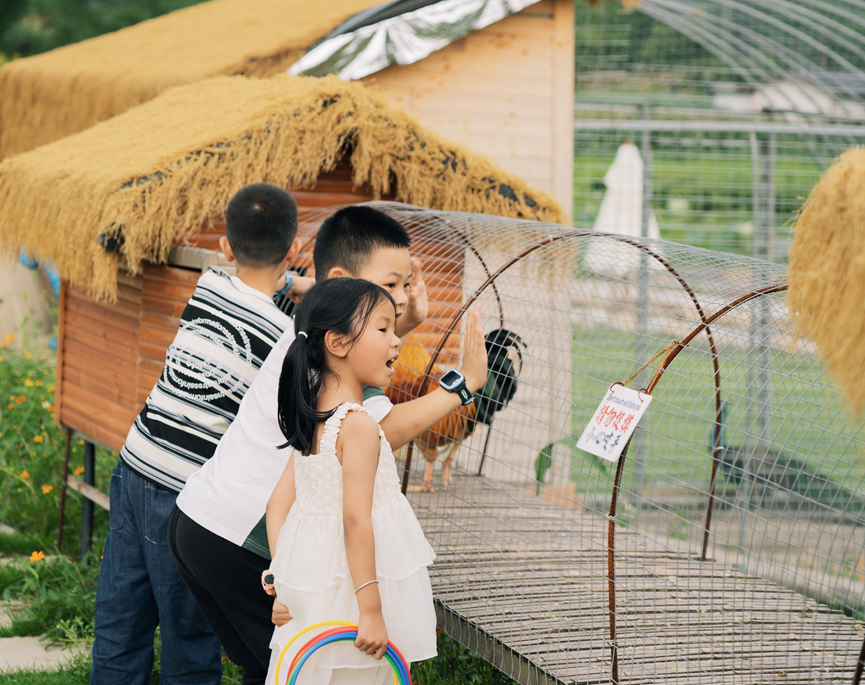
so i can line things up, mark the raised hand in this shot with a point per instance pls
(418, 301)
(474, 352)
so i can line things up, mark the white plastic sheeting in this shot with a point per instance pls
(404, 39)
(621, 212)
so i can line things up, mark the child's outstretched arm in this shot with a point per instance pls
(359, 463)
(279, 504)
(418, 302)
(407, 420)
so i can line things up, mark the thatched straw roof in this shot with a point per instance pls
(49, 96)
(157, 172)
(827, 273)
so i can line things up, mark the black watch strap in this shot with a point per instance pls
(465, 395)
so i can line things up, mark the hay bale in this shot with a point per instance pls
(827, 273)
(154, 174)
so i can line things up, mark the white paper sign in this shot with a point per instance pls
(614, 422)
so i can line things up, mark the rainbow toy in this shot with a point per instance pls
(340, 632)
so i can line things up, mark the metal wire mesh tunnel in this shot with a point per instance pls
(727, 543)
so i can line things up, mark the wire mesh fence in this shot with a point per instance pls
(750, 100)
(725, 546)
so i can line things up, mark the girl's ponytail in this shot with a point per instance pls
(299, 383)
(343, 305)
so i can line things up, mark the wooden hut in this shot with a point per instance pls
(127, 209)
(506, 89)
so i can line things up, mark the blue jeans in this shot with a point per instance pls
(140, 588)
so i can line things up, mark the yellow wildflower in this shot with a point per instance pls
(50, 407)
(20, 399)
(38, 438)
(1, 359)
(25, 474)
(10, 406)
(78, 471)
(26, 355)
(38, 384)
(51, 389)
(37, 556)
(10, 337)
(80, 442)
(28, 383)
(47, 488)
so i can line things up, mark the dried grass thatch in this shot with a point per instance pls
(157, 172)
(49, 96)
(827, 273)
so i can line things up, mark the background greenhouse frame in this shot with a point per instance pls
(737, 107)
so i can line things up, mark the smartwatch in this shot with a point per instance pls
(289, 281)
(454, 381)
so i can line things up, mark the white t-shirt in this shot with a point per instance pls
(228, 495)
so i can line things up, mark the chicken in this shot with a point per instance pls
(504, 358)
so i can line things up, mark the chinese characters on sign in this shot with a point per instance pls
(614, 422)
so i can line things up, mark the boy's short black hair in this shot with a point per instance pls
(348, 238)
(261, 224)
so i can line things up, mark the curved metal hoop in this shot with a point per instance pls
(491, 280)
(611, 517)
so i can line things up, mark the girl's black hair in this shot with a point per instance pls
(343, 305)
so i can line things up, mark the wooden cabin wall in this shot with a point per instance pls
(98, 362)
(506, 91)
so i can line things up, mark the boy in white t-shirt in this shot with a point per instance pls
(227, 330)
(217, 532)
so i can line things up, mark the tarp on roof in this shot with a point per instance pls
(404, 38)
(49, 96)
(159, 171)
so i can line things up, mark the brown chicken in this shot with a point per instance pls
(504, 357)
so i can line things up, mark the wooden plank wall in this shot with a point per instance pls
(99, 362)
(506, 91)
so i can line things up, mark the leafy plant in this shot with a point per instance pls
(57, 598)
(544, 460)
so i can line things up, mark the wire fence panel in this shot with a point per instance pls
(792, 69)
(725, 546)
(716, 184)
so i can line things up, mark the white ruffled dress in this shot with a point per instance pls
(312, 578)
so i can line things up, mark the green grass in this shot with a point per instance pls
(31, 456)
(712, 187)
(808, 422)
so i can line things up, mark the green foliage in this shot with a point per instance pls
(542, 464)
(57, 598)
(456, 665)
(34, 26)
(31, 455)
(544, 460)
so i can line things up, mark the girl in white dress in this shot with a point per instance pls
(345, 543)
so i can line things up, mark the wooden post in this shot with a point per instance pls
(87, 504)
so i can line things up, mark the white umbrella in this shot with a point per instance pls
(621, 212)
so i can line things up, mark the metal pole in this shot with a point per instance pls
(87, 505)
(642, 352)
(767, 183)
(68, 433)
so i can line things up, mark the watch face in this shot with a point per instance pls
(451, 378)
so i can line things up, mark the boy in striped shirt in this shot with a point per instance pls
(227, 330)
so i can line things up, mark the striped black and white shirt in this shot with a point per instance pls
(226, 332)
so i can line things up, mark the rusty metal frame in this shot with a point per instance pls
(491, 278)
